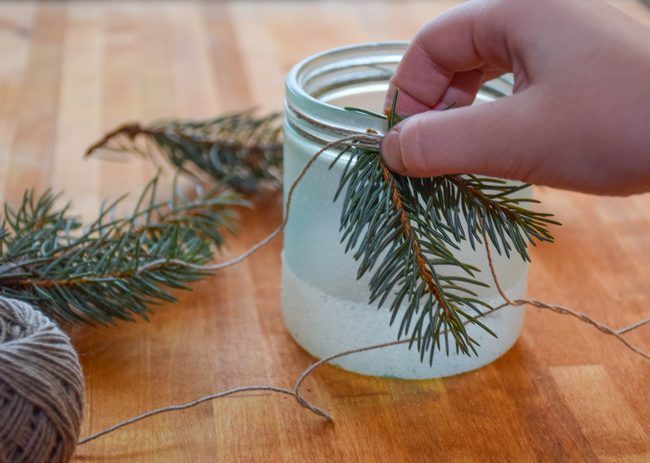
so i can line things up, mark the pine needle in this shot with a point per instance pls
(96, 272)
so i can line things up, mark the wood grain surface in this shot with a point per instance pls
(69, 72)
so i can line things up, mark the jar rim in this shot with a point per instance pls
(294, 84)
(339, 72)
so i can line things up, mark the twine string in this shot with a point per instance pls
(178, 407)
(348, 141)
(565, 310)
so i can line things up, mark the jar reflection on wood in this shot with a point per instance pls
(325, 307)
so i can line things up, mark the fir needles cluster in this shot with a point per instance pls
(239, 149)
(103, 270)
(404, 232)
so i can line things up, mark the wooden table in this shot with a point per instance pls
(69, 72)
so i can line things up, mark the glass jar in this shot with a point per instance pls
(325, 307)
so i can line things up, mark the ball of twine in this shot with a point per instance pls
(41, 387)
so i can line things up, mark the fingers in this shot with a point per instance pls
(448, 58)
(462, 89)
(494, 139)
(521, 137)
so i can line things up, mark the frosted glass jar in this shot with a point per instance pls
(325, 307)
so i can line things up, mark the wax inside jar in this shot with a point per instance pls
(370, 97)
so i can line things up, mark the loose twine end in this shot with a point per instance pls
(372, 140)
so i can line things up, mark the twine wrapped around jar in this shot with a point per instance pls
(41, 387)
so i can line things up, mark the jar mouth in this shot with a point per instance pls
(317, 85)
(314, 82)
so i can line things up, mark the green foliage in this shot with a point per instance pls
(112, 268)
(240, 150)
(404, 230)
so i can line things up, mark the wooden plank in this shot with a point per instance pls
(79, 108)
(611, 426)
(15, 29)
(35, 130)
(564, 393)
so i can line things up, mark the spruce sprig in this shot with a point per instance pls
(96, 273)
(470, 205)
(404, 230)
(239, 149)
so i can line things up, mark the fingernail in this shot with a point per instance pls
(390, 151)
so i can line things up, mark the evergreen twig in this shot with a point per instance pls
(403, 230)
(240, 149)
(92, 273)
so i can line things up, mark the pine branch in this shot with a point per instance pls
(469, 204)
(91, 273)
(394, 237)
(239, 149)
(404, 230)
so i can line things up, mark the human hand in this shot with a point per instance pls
(579, 117)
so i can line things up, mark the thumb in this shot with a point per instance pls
(492, 139)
